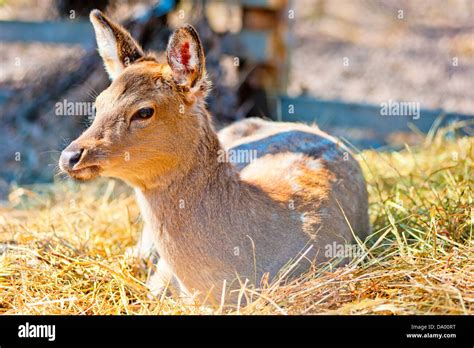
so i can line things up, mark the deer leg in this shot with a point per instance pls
(144, 248)
(163, 280)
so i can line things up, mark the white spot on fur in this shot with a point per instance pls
(303, 217)
(313, 164)
(295, 187)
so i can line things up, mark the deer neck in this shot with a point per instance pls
(207, 187)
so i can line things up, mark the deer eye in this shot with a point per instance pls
(143, 114)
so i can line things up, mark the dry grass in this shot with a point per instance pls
(63, 247)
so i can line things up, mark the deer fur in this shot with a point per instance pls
(211, 220)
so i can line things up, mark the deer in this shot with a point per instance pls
(216, 224)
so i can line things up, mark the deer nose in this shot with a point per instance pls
(74, 157)
(69, 158)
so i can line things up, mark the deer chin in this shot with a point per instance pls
(85, 173)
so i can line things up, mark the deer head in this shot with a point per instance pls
(149, 120)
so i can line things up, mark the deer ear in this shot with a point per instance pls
(116, 47)
(186, 57)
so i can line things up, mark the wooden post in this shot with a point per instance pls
(261, 47)
(271, 18)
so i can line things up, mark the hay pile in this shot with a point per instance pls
(62, 247)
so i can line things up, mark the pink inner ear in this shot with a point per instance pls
(185, 55)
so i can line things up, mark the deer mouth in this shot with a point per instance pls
(84, 173)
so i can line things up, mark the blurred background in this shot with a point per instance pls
(334, 62)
